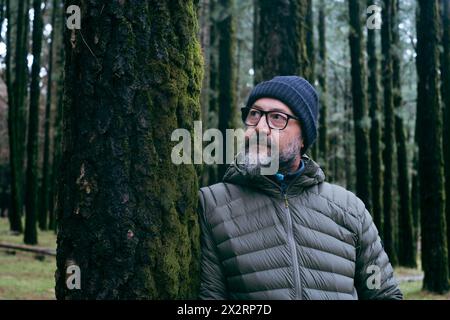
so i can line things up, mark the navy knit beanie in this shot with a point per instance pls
(299, 95)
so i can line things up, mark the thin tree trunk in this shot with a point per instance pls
(359, 105)
(322, 77)
(227, 75)
(32, 188)
(389, 132)
(431, 162)
(213, 111)
(205, 37)
(46, 167)
(375, 129)
(348, 132)
(126, 214)
(57, 126)
(406, 253)
(309, 72)
(15, 211)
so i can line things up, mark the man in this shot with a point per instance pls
(291, 235)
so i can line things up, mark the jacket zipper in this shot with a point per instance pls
(291, 240)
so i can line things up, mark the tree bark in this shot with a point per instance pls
(358, 72)
(279, 39)
(126, 214)
(431, 162)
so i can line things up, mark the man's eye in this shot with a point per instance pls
(277, 116)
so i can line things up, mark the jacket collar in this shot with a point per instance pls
(312, 174)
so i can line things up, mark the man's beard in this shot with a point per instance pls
(258, 155)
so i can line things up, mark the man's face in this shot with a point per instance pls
(289, 139)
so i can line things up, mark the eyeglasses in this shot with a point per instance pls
(275, 119)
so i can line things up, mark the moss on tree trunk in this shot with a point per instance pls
(127, 214)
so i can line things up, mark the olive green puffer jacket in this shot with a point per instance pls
(313, 240)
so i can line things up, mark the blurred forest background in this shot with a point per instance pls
(384, 121)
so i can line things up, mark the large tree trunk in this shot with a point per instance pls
(227, 74)
(389, 132)
(445, 71)
(375, 129)
(126, 214)
(431, 162)
(359, 105)
(279, 39)
(32, 188)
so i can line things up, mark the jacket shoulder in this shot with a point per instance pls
(341, 197)
(218, 195)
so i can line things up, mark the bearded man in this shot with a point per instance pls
(290, 235)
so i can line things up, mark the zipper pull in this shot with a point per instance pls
(286, 203)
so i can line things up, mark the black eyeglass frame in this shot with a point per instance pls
(245, 111)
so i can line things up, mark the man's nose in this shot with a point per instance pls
(262, 126)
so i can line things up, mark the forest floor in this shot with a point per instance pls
(25, 275)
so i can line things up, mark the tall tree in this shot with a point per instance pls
(46, 167)
(226, 73)
(431, 164)
(279, 39)
(212, 175)
(14, 213)
(57, 125)
(406, 252)
(375, 128)
(359, 104)
(126, 214)
(445, 73)
(389, 131)
(32, 189)
(16, 82)
(322, 77)
(310, 65)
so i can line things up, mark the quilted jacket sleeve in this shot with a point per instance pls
(374, 278)
(212, 284)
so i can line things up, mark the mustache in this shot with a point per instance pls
(258, 140)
